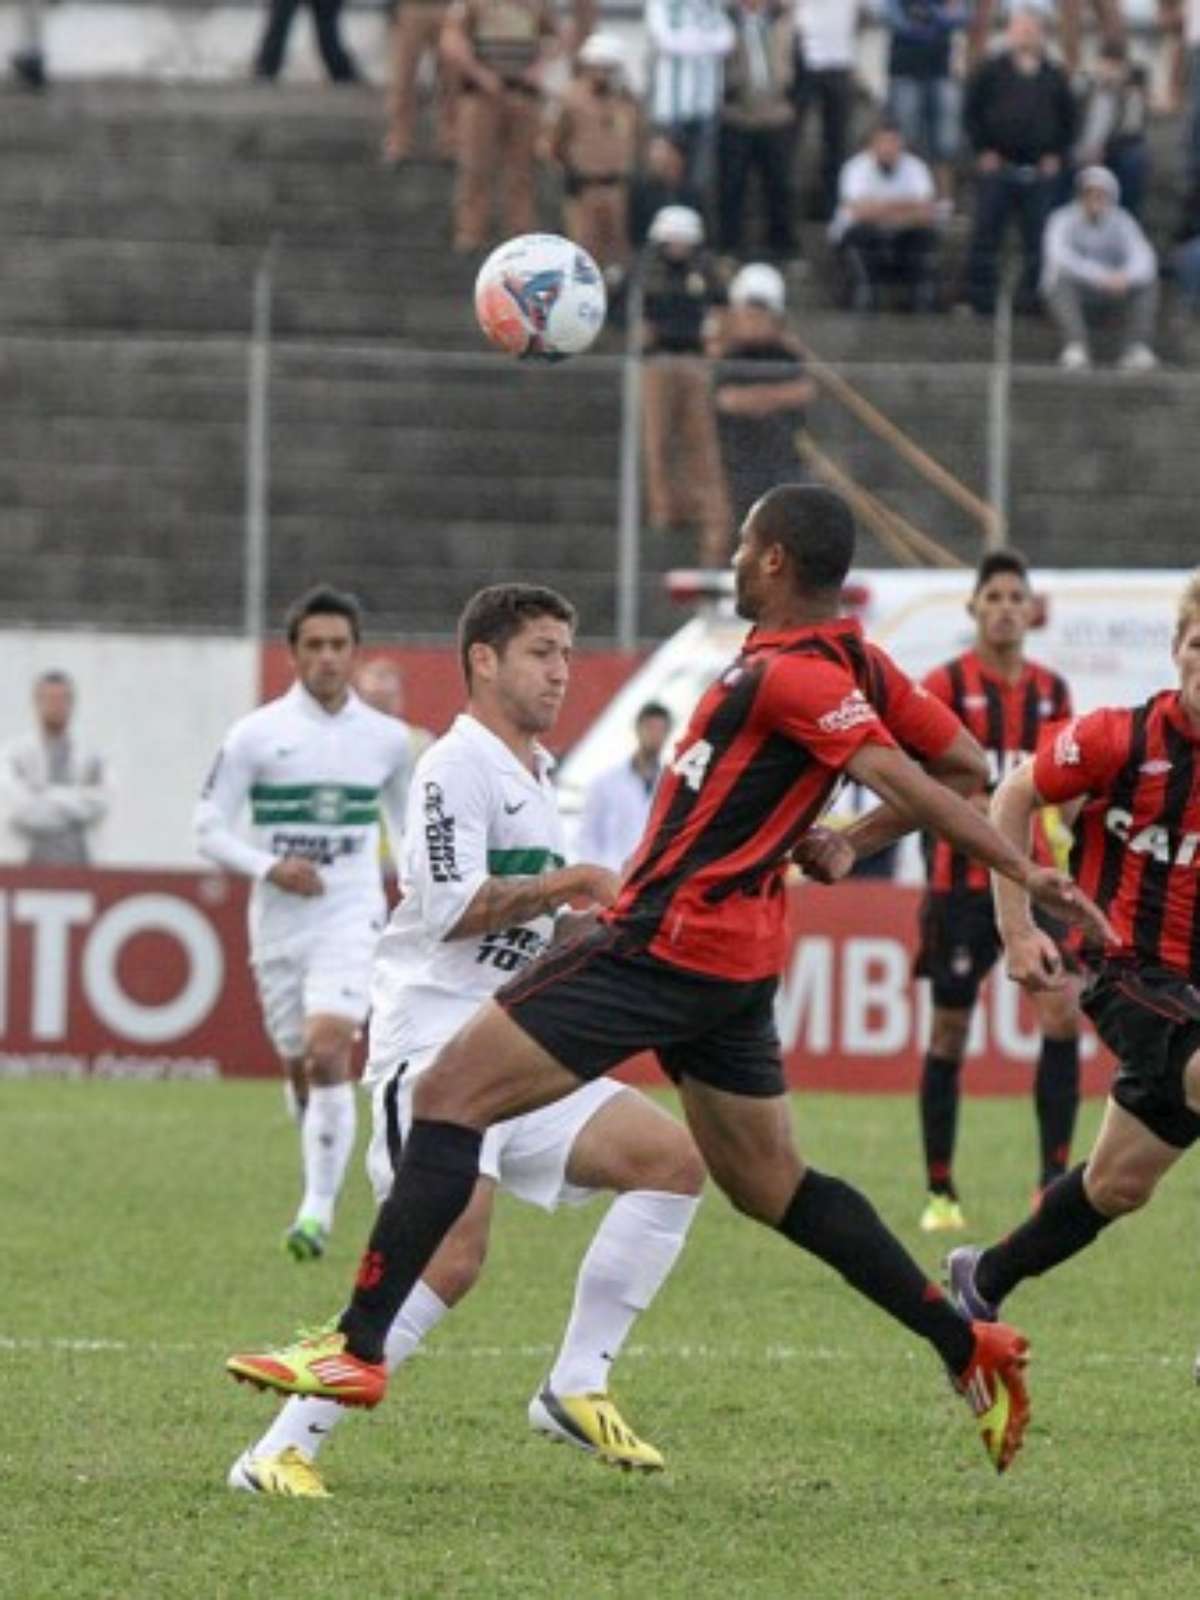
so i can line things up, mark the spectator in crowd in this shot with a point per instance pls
(924, 98)
(339, 64)
(689, 40)
(617, 804)
(1186, 259)
(595, 138)
(498, 48)
(761, 389)
(1099, 263)
(56, 788)
(685, 486)
(1109, 21)
(825, 61)
(885, 225)
(28, 60)
(661, 181)
(1191, 40)
(1116, 109)
(758, 124)
(1020, 118)
(416, 38)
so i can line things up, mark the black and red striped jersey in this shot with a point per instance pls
(756, 766)
(1006, 718)
(1137, 839)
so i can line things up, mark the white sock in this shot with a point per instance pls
(326, 1144)
(634, 1248)
(305, 1424)
(292, 1104)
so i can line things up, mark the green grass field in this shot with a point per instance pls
(814, 1449)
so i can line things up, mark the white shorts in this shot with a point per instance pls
(527, 1156)
(327, 975)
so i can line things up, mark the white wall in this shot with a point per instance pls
(156, 707)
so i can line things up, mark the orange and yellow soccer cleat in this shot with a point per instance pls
(319, 1367)
(993, 1385)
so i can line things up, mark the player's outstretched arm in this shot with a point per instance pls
(506, 902)
(961, 767)
(902, 784)
(1032, 958)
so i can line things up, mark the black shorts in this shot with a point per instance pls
(960, 944)
(595, 1002)
(1149, 1017)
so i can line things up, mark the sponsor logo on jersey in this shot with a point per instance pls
(1153, 768)
(511, 811)
(1168, 846)
(854, 710)
(439, 836)
(318, 848)
(974, 702)
(1066, 747)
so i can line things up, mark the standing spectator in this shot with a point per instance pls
(498, 47)
(28, 60)
(825, 60)
(416, 35)
(1020, 117)
(617, 805)
(1186, 259)
(660, 182)
(758, 124)
(884, 228)
(684, 482)
(1098, 262)
(689, 40)
(1070, 13)
(923, 94)
(1191, 40)
(1116, 109)
(326, 19)
(56, 787)
(595, 138)
(761, 389)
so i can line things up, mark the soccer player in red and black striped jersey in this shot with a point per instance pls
(1004, 699)
(1137, 849)
(686, 964)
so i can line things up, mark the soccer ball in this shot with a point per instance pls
(540, 297)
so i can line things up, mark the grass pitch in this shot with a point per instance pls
(813, 1448)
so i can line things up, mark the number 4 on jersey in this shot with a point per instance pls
(693, 763)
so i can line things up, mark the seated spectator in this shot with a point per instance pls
(1099, 264)
(660, 182)
(758, 124)
(689, 40)
(685, 486)
(761, 390)
(1020, 117)
(595, 137)
(825, 61)
(924, 99)
(1116, 109)
(884, 228)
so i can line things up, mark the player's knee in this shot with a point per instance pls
(674, 1167)
(1117, 1193)
(437, 1095)
(948, 1036)
(327, 1059)
(457, 1268)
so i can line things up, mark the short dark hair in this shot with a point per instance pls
(997, 561)
(323, 601)
(652, 708)
(496, 615)
(815, 527)
(57, 676)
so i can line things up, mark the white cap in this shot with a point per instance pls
(758, 284)
(677, 225)
(1099, 178)
(601, 50)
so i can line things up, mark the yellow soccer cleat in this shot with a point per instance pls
(942, 1214)
(592, 1422)
(290, 1473)
(319, 1367)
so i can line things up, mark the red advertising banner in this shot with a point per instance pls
(145, 974)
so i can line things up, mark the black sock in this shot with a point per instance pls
(836, 1223)
(939, 1121)
(1056, 1096)
(1065, 1223)
(437, 1172)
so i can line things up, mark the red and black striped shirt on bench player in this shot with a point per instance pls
(757, 765)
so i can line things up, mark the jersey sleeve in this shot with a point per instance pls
(1079, 757)
(937, 683)
(817, 704)
(444, 857)
(222, 801)
(920, 721)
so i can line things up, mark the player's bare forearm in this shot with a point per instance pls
(1012, 809)
(963, 768)
(507, 902)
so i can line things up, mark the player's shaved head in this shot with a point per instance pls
(814, 527)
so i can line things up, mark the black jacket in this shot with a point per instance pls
(1023, 117)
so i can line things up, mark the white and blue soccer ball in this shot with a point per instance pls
(540, 297)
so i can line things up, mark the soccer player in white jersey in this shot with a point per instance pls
(483, 886)
(315, 767)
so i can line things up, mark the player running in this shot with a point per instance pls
(686, 964)
(483, 878)
(315, 767)
(1137, 851)
(1004, 698)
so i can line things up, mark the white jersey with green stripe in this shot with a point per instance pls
(474, 812)
(315, 783)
